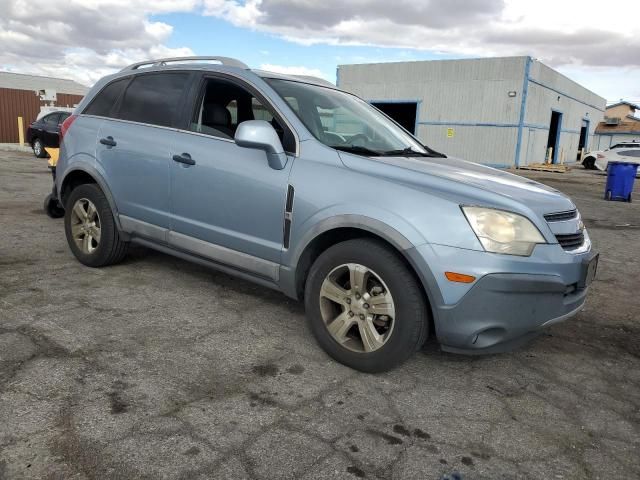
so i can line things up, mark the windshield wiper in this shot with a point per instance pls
(406, 152)
(357, 149)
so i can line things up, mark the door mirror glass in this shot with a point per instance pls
(261, 135)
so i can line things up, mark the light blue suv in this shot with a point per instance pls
(291, 183)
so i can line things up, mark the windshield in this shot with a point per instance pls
(345, 122)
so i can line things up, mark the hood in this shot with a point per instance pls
(490, 181)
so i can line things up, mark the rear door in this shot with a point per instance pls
(133, 149)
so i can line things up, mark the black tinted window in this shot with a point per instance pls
(630, 153)
(104, 101)
(52, 119)
(153, 98)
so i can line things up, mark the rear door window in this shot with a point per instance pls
(103, 103)
(154, 98)
(630, 153)
(52, 119)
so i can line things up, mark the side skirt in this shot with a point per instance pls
(206, 263)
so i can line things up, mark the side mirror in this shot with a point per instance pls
(261, 135)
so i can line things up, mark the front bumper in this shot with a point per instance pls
(512, 299)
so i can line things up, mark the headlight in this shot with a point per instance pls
(503, 232)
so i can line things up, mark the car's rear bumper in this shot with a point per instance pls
(511, 301)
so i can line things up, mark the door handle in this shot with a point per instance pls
(184, 158)
(109, 141)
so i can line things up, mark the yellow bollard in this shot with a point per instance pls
(20, 132)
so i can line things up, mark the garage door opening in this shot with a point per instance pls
(402, 112)
(582, 143)
(554, 137)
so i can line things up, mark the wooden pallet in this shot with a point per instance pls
(546, 167)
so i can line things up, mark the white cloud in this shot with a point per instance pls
(558, 32)
(586, 39)
(83, 39)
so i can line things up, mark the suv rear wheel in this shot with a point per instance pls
(90, 228)
(365, 307)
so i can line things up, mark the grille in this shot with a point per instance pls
(571, 241)
(561, 216)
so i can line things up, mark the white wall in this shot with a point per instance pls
(548, 91)
(602, 142)
(472, 98)
(468, 96)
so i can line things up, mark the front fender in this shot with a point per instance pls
(314, 227)
(394, 230)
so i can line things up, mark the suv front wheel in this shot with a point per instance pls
(91, 231)
(365, 307)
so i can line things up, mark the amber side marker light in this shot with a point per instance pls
(459, 277)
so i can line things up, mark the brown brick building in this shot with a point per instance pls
(23, 95)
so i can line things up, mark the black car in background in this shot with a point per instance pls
(44, 132)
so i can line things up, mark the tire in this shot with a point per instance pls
(52, 207)
(38, 148)
(89, 248)
(405, 330)
(589, 163)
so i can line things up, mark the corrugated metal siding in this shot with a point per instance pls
(472, 97)
(492, 146)
(26, 104)
(19, 81)
(602, 142)
(549, 91)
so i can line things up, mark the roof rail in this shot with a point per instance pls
(161, 62)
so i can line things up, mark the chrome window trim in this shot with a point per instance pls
(204, 73)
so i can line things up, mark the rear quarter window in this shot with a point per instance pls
(104, 102)
(153, 98)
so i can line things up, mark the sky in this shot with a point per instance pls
(592, 42)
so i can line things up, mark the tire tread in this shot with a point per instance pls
(414, 298)
(114, 247)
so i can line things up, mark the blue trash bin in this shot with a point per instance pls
(620, 179)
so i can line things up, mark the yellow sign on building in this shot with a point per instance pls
(450, 132)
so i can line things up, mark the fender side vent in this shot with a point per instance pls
(288, 216)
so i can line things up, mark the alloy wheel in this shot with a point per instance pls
(357, 308)
(85, 225)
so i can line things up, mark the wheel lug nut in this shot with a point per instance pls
(366, 305)
(361, 316)
(348, 300)
(357, 296)
(350, 313)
